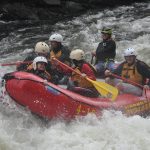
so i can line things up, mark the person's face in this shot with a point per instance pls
(42, 54)
(54, 44)
(105, 36)
(130, 59)
(75, 62)
(41, 66)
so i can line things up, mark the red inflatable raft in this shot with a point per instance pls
(50, 101)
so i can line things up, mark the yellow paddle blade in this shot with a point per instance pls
(105, 89)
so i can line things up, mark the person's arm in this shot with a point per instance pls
(117, 71)
(143, 69)
(23, 67)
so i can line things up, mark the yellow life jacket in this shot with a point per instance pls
(56, 55)
(81, 81)
(30, 67)
(131, 73)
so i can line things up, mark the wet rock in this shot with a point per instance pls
(74, 7)
(52, 2)
(52, 9)
(17, 11)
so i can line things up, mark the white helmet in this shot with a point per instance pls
(77, 54)
(130, 52)
(56, 37)
(41, 47)
(39, 59)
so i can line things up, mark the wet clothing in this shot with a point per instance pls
(105, 55)
(106, 50)
(86, 87)
(101, 66)
(61, 53)
(31, 57)
(136, 73)
(29, 68)
(43, 74)
(88, 92)
(86, 69)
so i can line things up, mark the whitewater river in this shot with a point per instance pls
(20, 130)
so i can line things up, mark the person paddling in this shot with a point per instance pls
(105, 52)
(133, 70)
(81, 66)
(59, 51)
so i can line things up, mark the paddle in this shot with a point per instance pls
(16, 63)
(104, 89)
(127, 80)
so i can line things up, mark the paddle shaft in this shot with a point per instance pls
(126, 80)
(16, 63)
(67, 66)
(104, 89)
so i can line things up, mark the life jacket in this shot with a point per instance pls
(84, 83)
(81, 81)
(131, 73)
(56, 55)
(30, 67)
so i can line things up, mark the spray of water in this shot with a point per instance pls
(19, 129)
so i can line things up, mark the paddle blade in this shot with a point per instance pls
(105, 89)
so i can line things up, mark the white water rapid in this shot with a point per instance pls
(21, 130)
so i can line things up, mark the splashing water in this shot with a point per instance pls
(21, 130)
